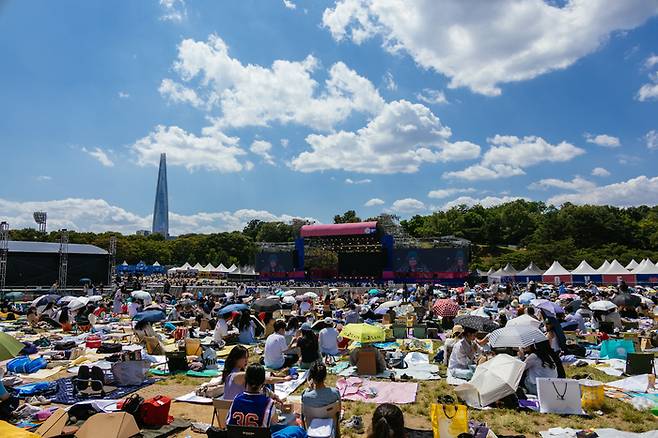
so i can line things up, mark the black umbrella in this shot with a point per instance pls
(475, 322)
(266, 305)
(627, 300)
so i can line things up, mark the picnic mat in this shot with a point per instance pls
(66, 394)
(567, 432)
(42, 374)
(168, 429)
(193, 398)
(368, 391)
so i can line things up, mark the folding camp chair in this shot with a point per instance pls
(420, 331)
(220, 411)
(248, 432)
(399, 331)
(331, 411)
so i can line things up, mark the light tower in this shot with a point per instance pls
(40, 218)
(4, 252)
(112, 261)
(63, 259)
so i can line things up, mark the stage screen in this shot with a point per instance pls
(412, 260)
(275, 262)
(360, 264)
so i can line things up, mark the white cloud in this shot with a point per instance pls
(600, 171)
(213, 150)
(357, 181)
(482, 44)
(640, 190)
(649, 91)
(651, 139)
(179, 93)
(252, 95)
(389, 82)
(173, 10)
(289, 4)
(263, 148)
(489, 201)
(124, 95)
(432, 97)
(510, 155)
(604, 140)
(408, 206)
(374, 202)
(446, 193)
(577, 184)
(100, 155)
(44, 178)
(399, 139)
(98, 215)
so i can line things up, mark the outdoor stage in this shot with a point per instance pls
(361, 251)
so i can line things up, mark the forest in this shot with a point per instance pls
(516, 232)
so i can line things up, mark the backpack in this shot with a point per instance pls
(132, 405)
(109, 348)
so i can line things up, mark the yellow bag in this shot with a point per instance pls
(593, 395)
(448, 421)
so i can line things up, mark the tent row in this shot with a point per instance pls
(645, 272)
(140, 268)
(209, 268)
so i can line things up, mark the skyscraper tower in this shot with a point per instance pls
(161, 208)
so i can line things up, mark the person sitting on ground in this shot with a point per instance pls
(387, 422)
(539, 362)
(318, 395)
(457, 332)
(32, 317)
(174, 315)
(307, 342)
(276, 348)
(252, 408)
(352, 316)
(64, 319)
(268, 321)
(328, 339)
(380, 361)
(233, 374)
(246, 328)
(463, 357)
(222, 329)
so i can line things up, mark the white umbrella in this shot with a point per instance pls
(78, 303)
(274, 297)
(523, 320)
(645, 300)
(95, 298)
(288, 300)
(289, 293)
(492, 381)
(311, 295)
(333, 289)
(65, 299)
(480, 312)
(519, 336)
(526, 297)
(602, 305)
(385, 306)
(141, 295)
(404, 309)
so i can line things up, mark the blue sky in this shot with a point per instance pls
(274, 109)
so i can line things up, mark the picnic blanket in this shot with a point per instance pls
(66, 394)
(567, 432)
(368, 391)
(177, 425)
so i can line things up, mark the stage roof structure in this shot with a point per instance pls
(329, 230)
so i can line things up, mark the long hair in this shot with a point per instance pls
(64, 315)
(245, 320)
(543, 351)
(387, 422)
(238, 352)
(309, 340)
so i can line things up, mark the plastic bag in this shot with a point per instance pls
(616, 348)
(448, 421)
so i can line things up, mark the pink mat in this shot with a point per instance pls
(357, 389)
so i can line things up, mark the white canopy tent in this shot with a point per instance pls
(603, 267)
(632, 265)
(616, 268)
(584, 268)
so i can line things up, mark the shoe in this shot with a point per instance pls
(355, 423)
(405, 376)
(34, 401)
(43, 400)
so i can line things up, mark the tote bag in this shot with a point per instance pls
(129, 373)
(559, 396)
(617, 348)
(448, 421)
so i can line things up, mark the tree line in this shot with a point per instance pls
(517, 232)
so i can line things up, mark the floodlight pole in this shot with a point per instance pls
(112, 261)
(4, 252)
(63, 259)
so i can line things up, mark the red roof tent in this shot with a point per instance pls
(353, 229)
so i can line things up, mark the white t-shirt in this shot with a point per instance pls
(304, 307)
(534, 368)
(221, 330)
(328, 340)
(132, 309)
(275, 345)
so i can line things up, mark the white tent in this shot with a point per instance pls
(490, 271)
(233, 268)
(616, 268)
(222, 268)
(632, 265)
(249, 270)
(198, 267)
(648, 268)
(531, 270)
(208, 268)
(603, 267)
(556, 269)
(156, 263)
(125, 263)
(584, 268)
(185, 267)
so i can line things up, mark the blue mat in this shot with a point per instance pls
(66, 394)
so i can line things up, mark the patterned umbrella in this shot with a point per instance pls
(520, 336)
(445, 308)
(478, 323)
